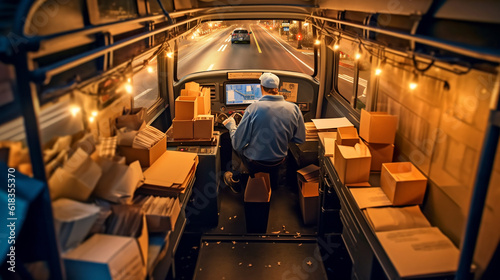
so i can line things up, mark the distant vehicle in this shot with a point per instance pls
(240, 35)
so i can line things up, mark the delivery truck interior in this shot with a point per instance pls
(112, 145)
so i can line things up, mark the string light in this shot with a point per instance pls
(94, 113)
(128, 88)
(75, 110)
(357, 56)
(91, 119)
(150, 69)
(170, 54)
(414, 81)
(336, 45)
(378, 71)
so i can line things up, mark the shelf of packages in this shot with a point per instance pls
(163, 245)
(369, 259)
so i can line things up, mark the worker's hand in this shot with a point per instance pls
(229, 123)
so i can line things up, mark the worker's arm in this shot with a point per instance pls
(241, 135)
(299, 135)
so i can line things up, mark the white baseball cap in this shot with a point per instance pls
(269, 80)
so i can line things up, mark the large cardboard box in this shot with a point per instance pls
(203, 127)
(403, 183)
(104, 257)
(145, 156)
(76, 179)
(186, 107)
(378, 127)
(352, 163)
(308, 200)
(183, 129)
(381, 153)
(257, 199)
(347, 136)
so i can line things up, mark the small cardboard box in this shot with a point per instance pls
(403, 183)
(203, 127)
(146, 157)
(183, 129)
(308, 200)
(347, 136)
(186, 107)
(378, 127)
(119, 181)
(381, 153)
(106, 257)
(193, 86)
(257, 202)
(160, 223)
(186, 92)
(205, 93)
(352, 163)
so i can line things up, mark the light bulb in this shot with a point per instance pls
(378, 71)
(192, 37)
(336, 47)
(129, 80)
(358, 56)
(75, 110)
(150, 69)
(94, 113)
(128, 88)
(317, 42)
(413, 85)
(170, 54)
(91, 119)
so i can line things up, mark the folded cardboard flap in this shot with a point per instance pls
(119, 183)
(258, 189)
(378, 127)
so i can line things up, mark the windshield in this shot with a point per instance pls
(240, 45)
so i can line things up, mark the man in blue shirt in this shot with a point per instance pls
(261, 139)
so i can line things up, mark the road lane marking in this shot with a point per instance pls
(255, 39)
(210, 67)
(224, 48)
(220, 48)
(362, 82)
(305, 64)
(209, 41)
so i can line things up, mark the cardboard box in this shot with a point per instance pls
(352, 163)
(105, 257)
(76, 179)
(161, 223)
(309, 200)
(171, 170)
(347, 136)
(205, 93)
(146, 157)
(309, 173)
(203, 127)
(192, 86)
(378, 127)
(381, 153)
(183, 129)
(133, 121)
(186, 107)
(73, 221)
(185, 92)
(403, 183)
(257, 199)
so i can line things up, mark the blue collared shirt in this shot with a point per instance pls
(267, 127)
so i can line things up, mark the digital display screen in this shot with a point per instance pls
(242, 93)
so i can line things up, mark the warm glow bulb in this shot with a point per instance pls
(210, 25)
(378, 71)
(192, 37)
(128, 88)
(129, 80)
(317, 42)
(94, 113)
(306, 23)
(150, 69)
(75, 110)
(91, 119)
(336, 47)
(358, 56)
(170, 54)
(413, 85)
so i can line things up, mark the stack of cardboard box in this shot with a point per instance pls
(192, 113)
(308, 181)
(378, 129)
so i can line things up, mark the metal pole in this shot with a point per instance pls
(481, 185)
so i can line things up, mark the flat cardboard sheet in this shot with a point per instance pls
(172, 168)
(396, 218)
(331, 123)
(421, 251)
(370, 197)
